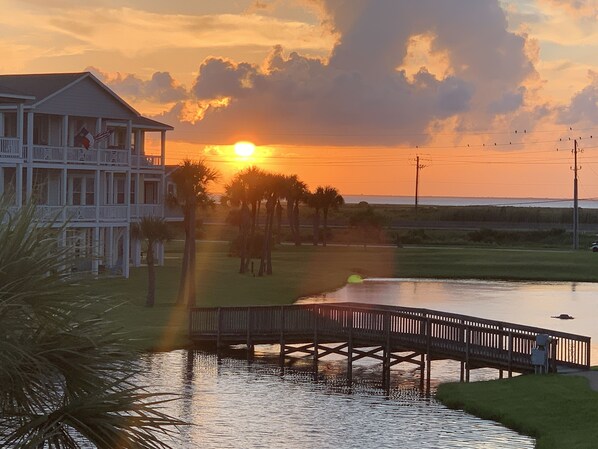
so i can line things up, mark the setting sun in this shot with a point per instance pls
(244, 149)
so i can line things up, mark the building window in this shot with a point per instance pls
(151, 193)
(89, 191)
(120, 191)
(77, 188)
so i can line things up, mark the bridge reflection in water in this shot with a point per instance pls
(389, 334)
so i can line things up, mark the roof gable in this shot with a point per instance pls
(80, 94)
(86, 97)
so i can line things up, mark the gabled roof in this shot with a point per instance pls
(14, 96)
(38, 88)
(44, 86)
(148, 123)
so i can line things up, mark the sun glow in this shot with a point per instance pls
(244, 149)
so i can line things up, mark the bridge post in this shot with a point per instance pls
(428, 355)
(282, 342)
(510, 361)
(467, 340)
(386, 353)
(315, 360)
(218, 336)
(350, 350)
(501, 347)
(250, 346)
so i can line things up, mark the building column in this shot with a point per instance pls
(136, 245)
(162, 191)
(29, 188)
(95, 248)
(2, 124)
(109, 241)
(126, 251)
(19, 185)
(64, 138)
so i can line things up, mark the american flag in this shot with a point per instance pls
(103, 135)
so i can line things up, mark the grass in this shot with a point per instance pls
(559, 411)
(308, 270)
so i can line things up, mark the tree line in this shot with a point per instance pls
(249, 191)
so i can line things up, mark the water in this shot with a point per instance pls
(234, 404)
(586, 203)
(529, 303)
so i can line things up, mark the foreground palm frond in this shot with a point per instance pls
(67, 378)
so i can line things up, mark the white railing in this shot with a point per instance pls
(9, 148)
(146, 162)
(146, 210)
(71, 155)
(113, 213)
(79, 214)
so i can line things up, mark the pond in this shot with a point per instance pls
(528, 303)
(237, 404)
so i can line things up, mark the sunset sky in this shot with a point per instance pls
(345, 92)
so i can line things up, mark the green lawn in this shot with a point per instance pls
(306, 270)
(560, 411)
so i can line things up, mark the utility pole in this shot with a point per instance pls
(418, 167)
(575, 198)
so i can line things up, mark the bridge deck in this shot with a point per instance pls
(476, 342)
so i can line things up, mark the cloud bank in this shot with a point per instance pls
(362, 94)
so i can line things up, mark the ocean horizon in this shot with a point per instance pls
(471, 201)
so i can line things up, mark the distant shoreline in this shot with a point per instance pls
(471, 201)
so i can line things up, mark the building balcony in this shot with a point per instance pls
(82, 214)
(9, 148)
(139, 211)
(81, 156)
(77, 156)
(146, 162)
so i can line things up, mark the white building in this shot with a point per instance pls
(97, 188)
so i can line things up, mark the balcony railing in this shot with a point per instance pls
(9, 148)
(81, 214)
(146, 210)
(87, 214)
(146, 162)
(70, 155)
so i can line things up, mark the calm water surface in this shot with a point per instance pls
(529, 303)
(235, 404)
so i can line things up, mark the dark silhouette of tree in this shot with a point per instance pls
(295, 191)
(153, 230)
(315, 200)
(192, 179)
(273, 185)
(246, 190)
(65, 368)
(331, 199)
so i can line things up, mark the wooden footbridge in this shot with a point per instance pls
(389, 334)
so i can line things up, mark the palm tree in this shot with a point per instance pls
(65, 372)
(295, 192)
(273, 186)
(236, 194)
(153, 230)
(315, 200)
(331, 199)
(191, 179)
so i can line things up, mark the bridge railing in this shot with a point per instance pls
(446, 334)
